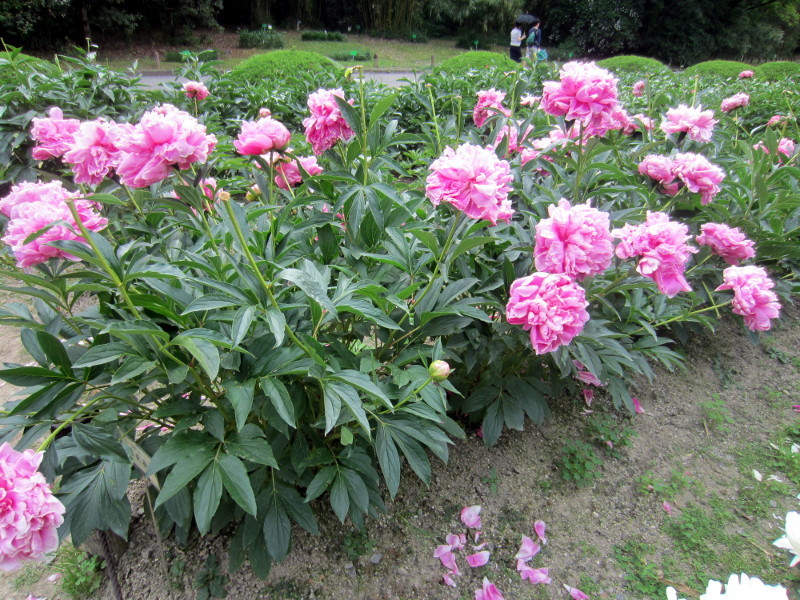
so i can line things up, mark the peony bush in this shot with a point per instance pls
(270, 301)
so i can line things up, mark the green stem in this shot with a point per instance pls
(71, 418)
(697, 265)
(435, 120)
(413, 394)
(365, 159)
(681, 317)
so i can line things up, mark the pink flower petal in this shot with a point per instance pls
(456, 542)
(441, 550)
(448, 561)
(448, 580)
(576, 593)
(539, 528)
(637, 406)
(667, 507)
(534, 576)
(588, 396)
(528, 549)
(479, 546)
(470, 516)
(488, 592)
(478, 559)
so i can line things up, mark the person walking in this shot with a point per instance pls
(515, 48)
(534, 41)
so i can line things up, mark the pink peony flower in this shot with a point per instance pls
(54, 134)
(552, 307)
(753, 297)
(195, 89)
(165, 137)
(657, 167)
(698, 174)
(471, 516)
(696, 122)
(786, 147)
(262, 136)
(585, 93)
(288, 172)
(515, 139)
(529, 100)
(776, 120)
(29, 512)
(326, 125)
(727, 242)
(575, 240)
(490, 102)
(735, 101)
(31, 217)
(473, 180)
(661, 244)
(488, 592)
(94, 153)
(38, 192)
(638, 88)
(746, 74)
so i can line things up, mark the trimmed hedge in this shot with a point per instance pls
(779, 69)
(183, 56)
(477, 60)
(635, 64)
(280, 63)
(322, 36)
(720, 68)
(348, 56)
(261, 38)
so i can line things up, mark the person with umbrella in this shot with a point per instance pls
(517, 39)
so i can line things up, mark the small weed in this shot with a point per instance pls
(357, 543)
(609, 433)
(284, 588)
(642, 576)
(677, 482)
(715, 413)
(580, 463)
(80, 573)
(177, 567)
(491, 480)
(722, 368)
(589, 586)
(776, 353)
(27, 576)
(209, 581)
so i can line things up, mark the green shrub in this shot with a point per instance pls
(355, 55)
(322, 36)
(261, 38)
(720, 68)
(636, 64)
(779, 69)
(280, 63)
(477, 60)
(185, 55)
(15, 63)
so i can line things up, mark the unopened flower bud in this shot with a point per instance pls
(264, 112)
(224, 196)
(439, 370)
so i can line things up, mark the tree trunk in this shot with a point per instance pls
(260, 13)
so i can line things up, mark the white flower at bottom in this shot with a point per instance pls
(743, 587)
(791, 541)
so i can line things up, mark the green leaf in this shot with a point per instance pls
(241, 324)
(135, 327)
(240, 396)
(340, 499)
(300, 511)
(234, 477)
(350, 115)
(254, 449)
(311, 283)
(102, 354)
(203, 351)
(380, 108)
(335, 393)
(362, 382)
(210, 302)
(280, 399)
(31, 376)
(356, 489)
(207, 495)
(277, 529)
(186, 469)
(54, 351)
(132, 367)
(277, 325)
(320, 483)
(98, 442)
(388, 459)
(105, 199)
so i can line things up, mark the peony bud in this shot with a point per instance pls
(439, 370)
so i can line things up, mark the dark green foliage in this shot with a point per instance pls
(209, 581)
(635, 64)
(261, 38)
(718, 68)
(477, 61)
(280, 64)
(777, 70)
(322, 36)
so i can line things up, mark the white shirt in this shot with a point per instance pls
(516, 36)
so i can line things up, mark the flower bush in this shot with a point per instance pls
(284, 328)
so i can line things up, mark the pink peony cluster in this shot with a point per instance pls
(746, 74)
(262, 136)
(326, 125)
(195, 90)
(728, 242)
(662, 246)
(698, 174)
(94, 152)
(638, 88)
(165, 137)
(657, 167)
(575, 240)
(552, 307)
(29, 512)
(735, 101)
(289, 174)
(697, 123)
(515, 138)
(753, 297)
(490, 102)
(585, 93)
(35, 206)
(54, 134)
(473, 180)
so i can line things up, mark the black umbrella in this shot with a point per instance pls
(526, 19)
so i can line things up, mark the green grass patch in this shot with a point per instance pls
(718, 68)
(633, 64)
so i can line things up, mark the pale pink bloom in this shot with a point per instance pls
(667, 507)
(575, 240)
(657, 167)
(534, 576)
(735, 101)
(448, 580)
(478, 559)
(54, 134)
(527, 550)
(39, 192)
(776, 120)
(94, 153)
(588, 396)
(327, 124)
(471, 516)
(539, 527)
(164, 138)
(661, 244)
(697, 123)
(586, 376)
(746, 74)
(637, 406)
(456, 542)
(264, 112)
(638, 88)
(698, 174)
(515, 138)
(529, 100)
(753, 297)
(474, 181)
(585, 93)
(289, 171)
(195, 89)
(29, 512)
(575, 593)
(728, 242)
(488, 592)
(786, 147)
(490, 102)
(262, 136)
(551, 306)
